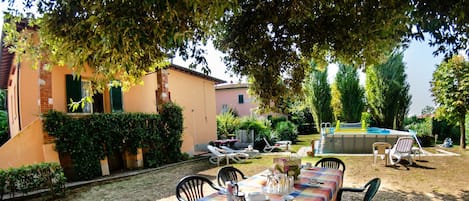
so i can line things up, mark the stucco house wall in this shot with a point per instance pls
(227, 96)
(193, 91)
(197, 97)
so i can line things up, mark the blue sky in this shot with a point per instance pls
(419, 60)
(418, 57)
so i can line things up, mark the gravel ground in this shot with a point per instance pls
(430, 178)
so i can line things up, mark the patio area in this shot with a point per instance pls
(433, 177)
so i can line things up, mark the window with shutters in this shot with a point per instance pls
(76, 90)
(115, 93)
(240, 98)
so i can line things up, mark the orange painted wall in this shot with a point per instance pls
(141, 98)
(25, 148)
(197, 97)
(12, 97)
(29, 94)
(26, 89)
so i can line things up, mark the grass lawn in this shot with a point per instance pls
(430, 178)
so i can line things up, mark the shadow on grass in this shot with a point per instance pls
(411, 195)
(406, 165)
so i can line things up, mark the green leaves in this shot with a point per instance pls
(351, 94)
(90, 138)
(387, 92)
(318, 96)
(116, 39)
(450, 89)
(27, 179)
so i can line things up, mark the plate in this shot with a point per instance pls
(256, 196)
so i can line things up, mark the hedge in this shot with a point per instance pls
(89, 139)
(32, 178)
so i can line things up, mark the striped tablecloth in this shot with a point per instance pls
(329, 181)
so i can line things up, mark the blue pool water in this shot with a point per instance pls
(370, 130)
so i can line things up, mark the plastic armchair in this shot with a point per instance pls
(402, 149)
(381, 149)
(218, 156)
(334, 163)
(229, 173)
(371, 189)
(191, 188)
(283, 145)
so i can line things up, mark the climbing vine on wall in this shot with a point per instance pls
(90, 138)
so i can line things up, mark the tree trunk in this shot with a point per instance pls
(462, 129)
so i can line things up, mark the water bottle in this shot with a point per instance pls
(230, 188)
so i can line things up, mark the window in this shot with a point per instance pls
(240, 98)
(76, 90)
(115, 93)
(224, 108)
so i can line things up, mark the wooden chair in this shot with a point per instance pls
(191, 188)
(371, 189)
(229, 173)
(334, 163)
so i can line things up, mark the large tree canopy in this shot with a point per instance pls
(269, 41)
(273, 40)
(450, 89)
(124, 39)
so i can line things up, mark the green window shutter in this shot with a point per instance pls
(116, 99)
(73, 90)
(240, 99)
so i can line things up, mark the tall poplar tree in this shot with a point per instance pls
(318, 97)
(352, 97)
(387, 92)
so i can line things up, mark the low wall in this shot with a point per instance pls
(27, 147)
(355, 143)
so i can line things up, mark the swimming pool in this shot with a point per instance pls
(356, 140)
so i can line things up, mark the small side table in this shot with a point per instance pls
(253, 153)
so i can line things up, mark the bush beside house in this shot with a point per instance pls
(88, 139)
(30, 178)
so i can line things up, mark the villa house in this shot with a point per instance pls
(32, 92)
(235, 96)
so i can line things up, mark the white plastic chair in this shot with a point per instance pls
(402, 149)
(283, 145)
(381, 149)
(244, 154)
(218, 156)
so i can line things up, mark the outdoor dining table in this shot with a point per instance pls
(226, 142)
(329, 181)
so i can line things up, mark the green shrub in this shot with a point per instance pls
(89, 139)
(4, 136)
(260, 127)
(424, 131)
(286, 130)
(32, 178)
(227, 123)
(274, 120)
(444, 129)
